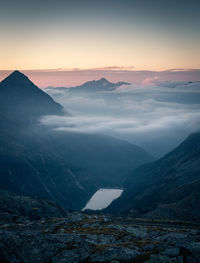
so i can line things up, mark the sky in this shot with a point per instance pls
(130, 35)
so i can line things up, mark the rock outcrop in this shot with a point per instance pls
(98, 238)
(12, 205)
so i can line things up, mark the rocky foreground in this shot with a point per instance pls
(80, 237)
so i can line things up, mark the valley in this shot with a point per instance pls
(68, 196)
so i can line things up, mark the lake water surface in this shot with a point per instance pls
(102, 198)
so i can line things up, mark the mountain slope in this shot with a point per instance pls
(65, 167)
(170, 180)
(20, 99)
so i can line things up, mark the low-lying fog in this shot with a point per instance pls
(156, 117)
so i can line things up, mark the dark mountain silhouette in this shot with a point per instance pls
(169, 187)
(20, 99)
(65, 167)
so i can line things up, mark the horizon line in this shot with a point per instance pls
(114, 69)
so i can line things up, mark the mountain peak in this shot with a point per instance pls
(21, 99)
(16, 73)
(97, 86)
(17, 77)
(104, 80)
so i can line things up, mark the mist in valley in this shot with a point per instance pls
(156, 116)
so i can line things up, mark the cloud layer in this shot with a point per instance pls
(156, 117)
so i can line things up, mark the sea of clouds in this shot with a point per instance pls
(157, 116)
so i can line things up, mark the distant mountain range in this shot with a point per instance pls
(65, 167)
(94, 86)
(167, 188)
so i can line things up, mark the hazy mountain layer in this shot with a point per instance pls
(95, 86)
(166, 186)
